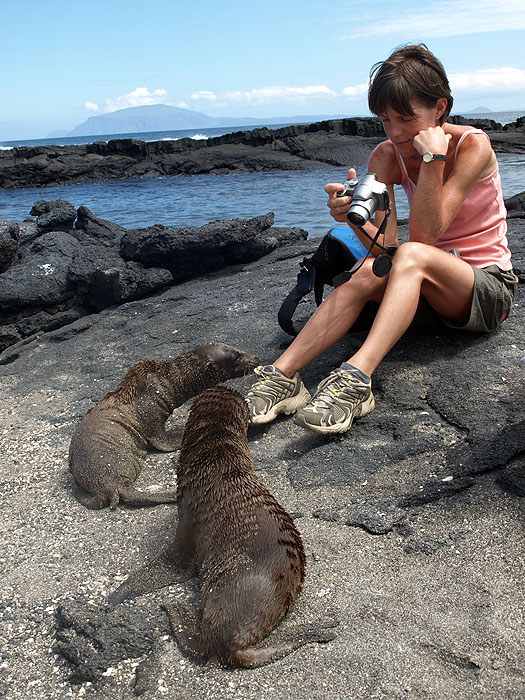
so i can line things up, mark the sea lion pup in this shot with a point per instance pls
(109, 444)
(232, 534)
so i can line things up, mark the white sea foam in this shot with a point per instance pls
(195, 137)
(6, 148)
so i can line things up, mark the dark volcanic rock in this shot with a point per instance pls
(51, 278)
(91, 227)
(513, 478)
(298, 147)
(28, 231)
(191, 251)
(93, 639)
(9, 238)
(376, 517)
(516, 206)
(102, 278)
(41, 276)
(54, 216)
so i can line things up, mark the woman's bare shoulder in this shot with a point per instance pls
(474, 150)
(477, 140)
(383, 162)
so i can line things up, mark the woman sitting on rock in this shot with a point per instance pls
(451, 178)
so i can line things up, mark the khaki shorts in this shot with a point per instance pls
(491, 302)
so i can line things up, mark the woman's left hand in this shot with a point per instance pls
(432, 140)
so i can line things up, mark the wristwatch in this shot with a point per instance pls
(429, 157)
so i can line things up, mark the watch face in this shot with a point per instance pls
(427, 157)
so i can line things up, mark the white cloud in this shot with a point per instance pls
(489, 81)
(355, 90)
(137, 98)
(266, 95)
(437, 18)
(205, 95)
(274, 93)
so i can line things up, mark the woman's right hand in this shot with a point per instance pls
(339, 206)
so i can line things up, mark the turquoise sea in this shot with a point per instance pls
(296, 198)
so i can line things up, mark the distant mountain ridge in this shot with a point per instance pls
(166, 118)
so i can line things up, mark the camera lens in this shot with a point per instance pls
(358, 215)
(356, 219)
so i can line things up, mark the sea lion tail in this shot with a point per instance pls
(135, 497)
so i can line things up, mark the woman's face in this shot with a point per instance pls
(402, 128)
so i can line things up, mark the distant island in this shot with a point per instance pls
(165, 118)
(480, 110)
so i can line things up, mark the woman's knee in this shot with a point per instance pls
(412, 255)
(363, 283)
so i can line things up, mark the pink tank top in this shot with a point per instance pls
(479, 230)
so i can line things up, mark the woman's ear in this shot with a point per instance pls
(441, 106)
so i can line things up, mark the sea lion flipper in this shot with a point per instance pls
(135, 497)
(157, 574)
(165, 441)
(93, 502)
(185, 628)
(252, 657)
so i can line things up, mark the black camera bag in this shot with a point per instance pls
(337, 253)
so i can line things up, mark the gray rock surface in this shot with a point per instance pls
(412, 522)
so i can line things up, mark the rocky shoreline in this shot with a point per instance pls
(66, 263)
(303, 146)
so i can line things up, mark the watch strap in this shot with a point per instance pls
(429, 157)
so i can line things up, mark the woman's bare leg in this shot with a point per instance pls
(332, 319)
(447, 283)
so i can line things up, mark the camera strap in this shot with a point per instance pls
(382, 263)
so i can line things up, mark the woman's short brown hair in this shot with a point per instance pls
(411, 73)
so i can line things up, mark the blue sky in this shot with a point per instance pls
(64, 61)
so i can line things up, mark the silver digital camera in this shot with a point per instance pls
(368, 196)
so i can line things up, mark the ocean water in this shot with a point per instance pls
(141, 135)
(501, 117)
(296, 198)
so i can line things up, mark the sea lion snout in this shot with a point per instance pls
(234, 362)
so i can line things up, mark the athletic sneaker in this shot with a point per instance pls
(275, 393)
(344, 395)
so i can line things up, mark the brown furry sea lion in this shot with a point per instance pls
(109, 444)
(232, 534)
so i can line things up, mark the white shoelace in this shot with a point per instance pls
(337, 382)
(271, 386)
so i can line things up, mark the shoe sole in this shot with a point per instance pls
(364, 409)
(287, 406)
